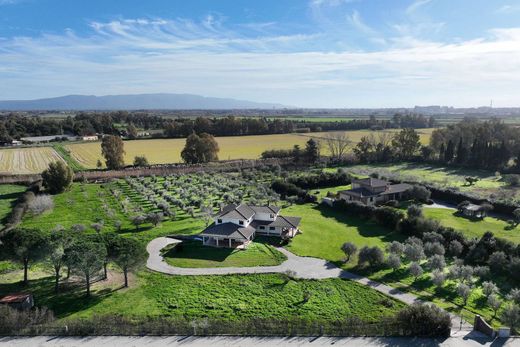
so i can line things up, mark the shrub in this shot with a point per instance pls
(349, 249)
(418, 193)
(424, 320)
(14, 321)
(373, 256)
(40, 204)
(140, 161)
(511, 316)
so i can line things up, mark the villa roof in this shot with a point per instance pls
(358, 192)
(233, 211)
(266, 209)
(281, 221)
(229, 230)
(473, 207)
(372, 182)
(397, 188)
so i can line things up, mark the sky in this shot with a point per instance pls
(303, 53)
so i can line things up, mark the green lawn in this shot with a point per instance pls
(471, 227)
(324, 230)
(8, 195)
(194, 254)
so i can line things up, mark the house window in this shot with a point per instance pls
(271, 216)
(371, 199)
(241, 222)
(219, 221)
(262, 227)
(271, 228)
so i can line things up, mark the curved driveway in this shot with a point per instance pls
(304, 267)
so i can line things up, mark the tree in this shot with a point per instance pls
(489, 288)
(99, 164)
(498, 261)
(470, 180)
(374, 256)
(337, 143)
(413, 252)
(450, 152)
(129, 254)
(516, 214)
(312, 151)
(464, 291)
(418, 193)
(131, 131)
(59, 243)
(57, 177)
(406, 143)
(396, 248)
(415, 270)
(154, 218)
(494, 303)
(414, 211)
(437, 262)
(462, 153)
(394, 261)
(25, 245)
(87, 258)
(200, 149)
(424, 320)
(140, 161)
(455, 248)
(438, 278)
(112, 148)
(349, 249)
(137, 221)
(511, 316)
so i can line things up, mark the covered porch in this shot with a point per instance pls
(216, 241)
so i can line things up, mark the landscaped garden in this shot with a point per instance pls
(191, 253)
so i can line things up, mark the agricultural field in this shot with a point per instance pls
(191, 253)
(162, 151)
(27, 160)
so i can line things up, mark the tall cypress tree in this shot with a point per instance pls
(450, 152)
(442, 151)
(462, 153)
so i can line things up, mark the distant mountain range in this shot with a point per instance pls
(133, 102)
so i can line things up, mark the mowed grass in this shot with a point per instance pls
(473, 227)
(8, 195)
(325, 230)
(27, 160)
(162, 151)
(192, 253)
(237, 297)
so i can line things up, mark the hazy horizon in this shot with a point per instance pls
(306, 54)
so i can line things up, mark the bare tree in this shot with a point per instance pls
(337, 143)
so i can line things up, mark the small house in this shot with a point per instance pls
(20, 301)
(474, 211)
(372, 190)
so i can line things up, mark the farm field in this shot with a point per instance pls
(162, 151)
(8, 194)
(193, 254)
(26, 160)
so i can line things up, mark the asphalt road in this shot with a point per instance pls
(227, 341)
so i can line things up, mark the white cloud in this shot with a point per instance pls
(416, 5)
(508, 9)
(357, 22)
(157, 55)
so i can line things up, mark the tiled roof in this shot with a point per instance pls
(281, 221)
(14, 298)
(397, 188)
(358, 192)
(236, 212)
(229, 230)
(266, 209)
(372, 182)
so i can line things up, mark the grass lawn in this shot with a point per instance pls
(193, 254)
(470, 227)
(324, 230)
(234, 297)
(8, 195)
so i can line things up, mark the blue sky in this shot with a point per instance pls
(307, 53)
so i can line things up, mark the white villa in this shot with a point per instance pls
(236, 225)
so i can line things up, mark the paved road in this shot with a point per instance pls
(229, 341)
(304, 267)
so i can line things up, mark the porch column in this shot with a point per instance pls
(216, 240)
(229, 243)
(203, 240)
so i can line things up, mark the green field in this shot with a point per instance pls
(472, 227)
(194, 254)
(161, 151)
(324, 230)
(8, 195)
